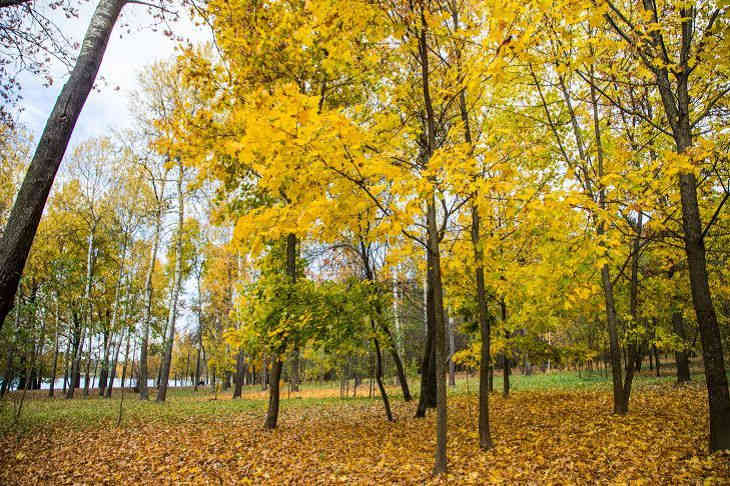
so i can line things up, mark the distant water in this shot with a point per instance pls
(45, 385)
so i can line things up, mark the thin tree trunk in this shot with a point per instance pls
(400, 370)
(115, 360)
(78, 337)
(505, 355)
(87, 379)
(112, 326)
(379, 374)
(126, 357)
(452, 350)
(485, 361)
(427, 397)
(54, 368)
(167, 361)
(146, 320)
(681, 356)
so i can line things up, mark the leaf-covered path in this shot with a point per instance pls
(543, 437)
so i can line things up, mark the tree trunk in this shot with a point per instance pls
(379, 374)
(144, 344)
(115, 360)
(452, 350)
(272, 415)
(634, 354)
(197, 371)
(54, 368)
(87, 379)
(294, 371)
(78, 336)
(167, 360)
(505, 354)
(31, 199)
(239, 375)
(681, 356)
(112, 326)
(427, 397)
(124, 366)
(400, 370)
(440, 461)
(439, 342)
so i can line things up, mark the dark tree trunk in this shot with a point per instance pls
(239, 375)
(427, 398)
(75, 375)
(54, 367)
(485, 361)
(402, 378)
(103, 375)
(87, 378)
(657, 363)
(379, 375)
(272, 414)
(506, 360)
(197, 371)
(294, 378)
(31, 199)
(681, 356)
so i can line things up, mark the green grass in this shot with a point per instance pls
(563, 380)
(187, 405)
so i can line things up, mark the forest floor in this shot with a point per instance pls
(552, 429)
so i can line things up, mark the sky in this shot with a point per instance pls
(132, 46)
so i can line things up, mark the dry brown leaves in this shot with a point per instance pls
(541, 438)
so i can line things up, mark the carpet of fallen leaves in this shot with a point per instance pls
(542, 437)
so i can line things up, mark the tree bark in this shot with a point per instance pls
(400, 370)
(54, 368)
(681, 356)
(239, 375)
(31, 199)
(485, 361)
(115, 360)
(167, 360)
(78, 336)
(452, 350)
(379, 374)
(272, 414)
(146, 321)
(427, 397)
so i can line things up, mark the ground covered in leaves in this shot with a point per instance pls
(542, 436)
